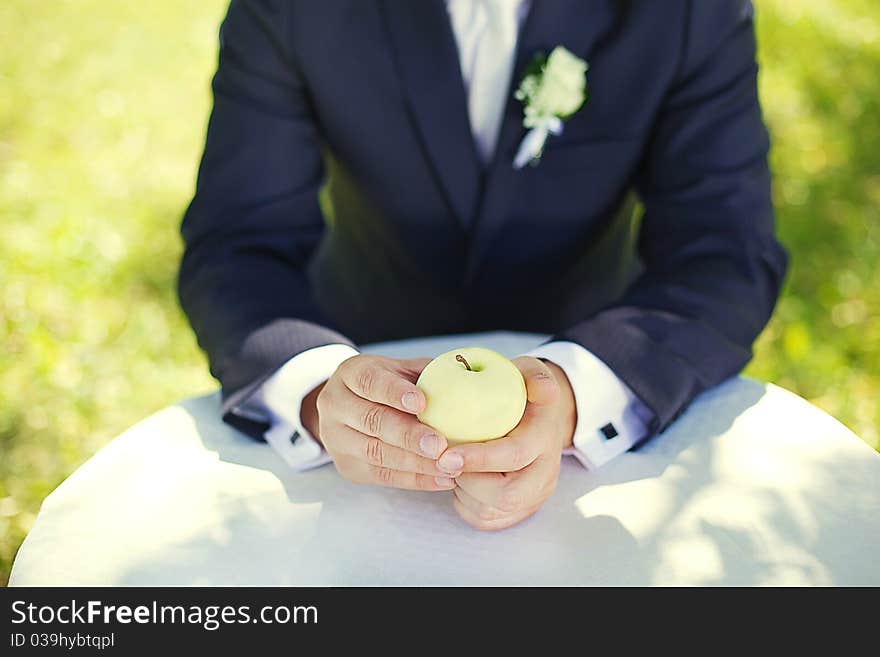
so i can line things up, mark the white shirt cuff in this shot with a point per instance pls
(281, 396)
(610, 418)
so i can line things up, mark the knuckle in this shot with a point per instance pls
(486, 513)
(328, 435)
(373, 452)
(366, 379)
(471, 517)
(388, 387)
(385, 476)
(373, 419)
(411, 438)
(510, 499)
(322, 401)
(345, 469)
(347, 366)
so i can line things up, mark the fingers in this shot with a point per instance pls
(366, 422)
(361, 472)
(508, 493)
(355, 446)
(484, 511)
(486, 519)
(391, 426)
(495, 500)
(508, 454)
(493, 490)
(384, 381)
(541, 386)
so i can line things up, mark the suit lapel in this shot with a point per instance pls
(576, 24)
(427, 62)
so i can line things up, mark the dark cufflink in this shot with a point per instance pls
(294, 437)
(609, 431)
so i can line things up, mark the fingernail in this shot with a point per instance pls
(451, 462)
(429, 445)
(410, 401)
(445, 481)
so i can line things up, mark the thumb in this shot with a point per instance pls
(542, 388)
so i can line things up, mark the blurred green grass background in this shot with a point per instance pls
(102, 113)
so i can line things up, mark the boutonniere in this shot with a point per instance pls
(552, 90)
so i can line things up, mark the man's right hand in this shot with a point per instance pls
(365, 416)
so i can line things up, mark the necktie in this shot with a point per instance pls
(486, 33)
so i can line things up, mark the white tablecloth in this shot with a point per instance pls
(752, 485)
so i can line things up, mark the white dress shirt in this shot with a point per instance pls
(610, 418)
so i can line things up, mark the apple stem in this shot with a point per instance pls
(461, 359)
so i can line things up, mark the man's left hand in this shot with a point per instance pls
(505, 481)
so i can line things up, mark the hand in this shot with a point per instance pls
(365, 415)
(505, 481)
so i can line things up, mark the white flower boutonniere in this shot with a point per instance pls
(552, 90)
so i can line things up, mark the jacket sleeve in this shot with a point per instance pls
(254, 221)
(713, 266)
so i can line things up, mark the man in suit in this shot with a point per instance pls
(406, 111)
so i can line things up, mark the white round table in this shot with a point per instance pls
(752, 485)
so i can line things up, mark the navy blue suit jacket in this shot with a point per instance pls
(414, 236)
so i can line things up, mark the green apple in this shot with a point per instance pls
(473, 395)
